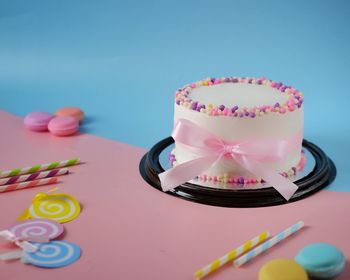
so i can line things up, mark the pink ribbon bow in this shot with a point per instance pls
(249, 154)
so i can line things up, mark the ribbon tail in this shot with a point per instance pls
(26, 246)
(23, 244)
(184, 172)
(6, 234)
(283, 185)
(24, 216)
(13, 255)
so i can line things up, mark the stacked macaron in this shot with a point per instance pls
(282, 269)
(315, 261)
(64, 122)
(321, 260)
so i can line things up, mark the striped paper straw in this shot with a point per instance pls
(200, 273)
(33, 176)
(39, 167)
(268, 244)
(30, 184)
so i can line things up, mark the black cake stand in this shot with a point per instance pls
(322, 174)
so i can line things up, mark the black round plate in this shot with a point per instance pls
(323, 173)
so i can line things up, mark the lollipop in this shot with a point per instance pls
(52, 254)
(37, 230)
(59, 207)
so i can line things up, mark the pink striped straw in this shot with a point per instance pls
(29, 184)
(33, 176)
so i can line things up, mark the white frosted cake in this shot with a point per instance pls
(242, 110)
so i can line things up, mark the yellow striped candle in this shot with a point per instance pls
(200, 273)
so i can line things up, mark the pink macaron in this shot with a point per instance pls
(75, 112)
(38, 121)
(63, 126)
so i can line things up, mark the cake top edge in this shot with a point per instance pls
(293, 101)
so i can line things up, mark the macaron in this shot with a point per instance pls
(38, 121)
(282, 269)
(75, 112)
(63, 126)
(321, 260)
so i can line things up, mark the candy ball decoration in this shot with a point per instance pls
(59, 207)
(53, 254)
(37, 230)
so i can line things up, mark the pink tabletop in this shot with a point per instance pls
(128, 230)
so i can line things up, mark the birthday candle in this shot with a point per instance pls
(38, 167)
(268, 244)
(33, 176)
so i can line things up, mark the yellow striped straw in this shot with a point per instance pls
(200, 273)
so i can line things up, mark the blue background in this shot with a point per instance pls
(121, 61)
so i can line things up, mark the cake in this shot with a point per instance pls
(240, 111)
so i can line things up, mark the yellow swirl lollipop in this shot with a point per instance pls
(59, 207)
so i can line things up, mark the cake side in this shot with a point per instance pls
(244, 178)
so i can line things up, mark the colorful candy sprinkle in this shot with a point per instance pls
(294, 101)
(225, 178)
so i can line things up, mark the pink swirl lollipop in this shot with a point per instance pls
(37, 230)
